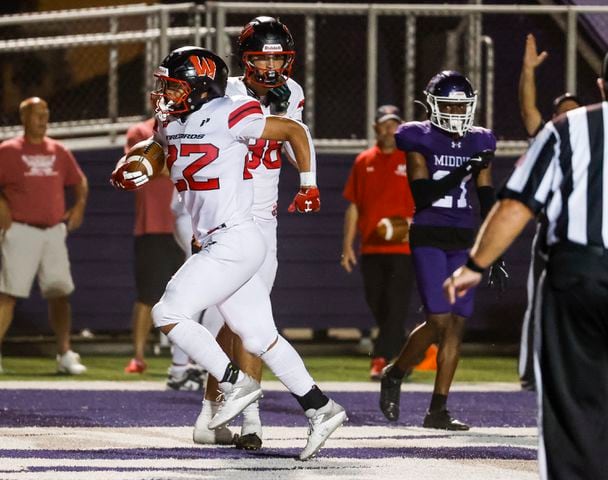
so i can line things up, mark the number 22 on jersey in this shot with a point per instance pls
(208, 153)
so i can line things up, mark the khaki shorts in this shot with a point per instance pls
(28, 252)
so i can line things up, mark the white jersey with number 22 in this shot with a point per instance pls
(206, 154)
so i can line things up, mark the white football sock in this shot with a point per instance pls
(209, 408)
(179, 357)
(251, 420)
(288, 367)
(200, 346)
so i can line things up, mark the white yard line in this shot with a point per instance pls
(259, 466)
(277, 468)
(81, 438)
(268, 386)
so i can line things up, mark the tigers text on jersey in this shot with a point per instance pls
(206, 158)
(444, 153)
(264, 156)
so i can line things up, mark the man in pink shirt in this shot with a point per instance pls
(34, 223)
(157, 255)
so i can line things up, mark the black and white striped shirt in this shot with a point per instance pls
(565, 171)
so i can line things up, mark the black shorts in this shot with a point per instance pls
(157, 258)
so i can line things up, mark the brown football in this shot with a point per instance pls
(147, 157)
(393, 229)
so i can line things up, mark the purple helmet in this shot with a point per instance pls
(450, 87)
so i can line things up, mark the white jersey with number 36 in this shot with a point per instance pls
(264, 156)
(206, 158)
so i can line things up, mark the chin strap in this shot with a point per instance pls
(424, 106)
(250, 91)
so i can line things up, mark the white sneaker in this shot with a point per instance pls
(322, 423)
(236, 398)
(203, 435)
(69, 363)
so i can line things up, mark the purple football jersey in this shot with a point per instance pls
(444, 153)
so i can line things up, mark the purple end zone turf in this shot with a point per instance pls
(449, 453)
(88, 408)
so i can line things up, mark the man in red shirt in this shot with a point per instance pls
(157, 255)
(34, 169)
(378, 188)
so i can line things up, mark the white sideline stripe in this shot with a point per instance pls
(85, 438)
(267, 386)
(256, 467)
(248, 469)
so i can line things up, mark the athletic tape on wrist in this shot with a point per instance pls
(308, 179)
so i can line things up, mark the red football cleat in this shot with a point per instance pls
(136, 366)
(378, 364)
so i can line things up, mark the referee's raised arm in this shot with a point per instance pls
(564, 174)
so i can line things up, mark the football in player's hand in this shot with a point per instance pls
(147, 157)
(393, 229)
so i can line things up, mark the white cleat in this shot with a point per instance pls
(236, 399)
(205, 436)
(69, 363)
(322, 423)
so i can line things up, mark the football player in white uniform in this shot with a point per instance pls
(205, 135)
(267, 52)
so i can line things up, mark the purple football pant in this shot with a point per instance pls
(432, 266)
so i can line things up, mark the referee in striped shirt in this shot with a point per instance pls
(565, 174)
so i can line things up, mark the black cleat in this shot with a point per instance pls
(390, 393)
(251, 441)
(528, 385)
(442, 420)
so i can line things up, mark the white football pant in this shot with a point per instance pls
(213, 319)
(224, 274)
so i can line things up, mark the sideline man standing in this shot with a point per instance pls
(34, 170)
(377, 188)
(533, 123)
(565, 174)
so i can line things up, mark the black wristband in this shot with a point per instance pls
(471, 265)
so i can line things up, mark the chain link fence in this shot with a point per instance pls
(94, 65)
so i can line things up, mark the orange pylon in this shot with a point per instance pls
(429, 362)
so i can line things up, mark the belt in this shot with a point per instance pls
(37, 225)
(215, 229)
(571, 247)
(195, 247)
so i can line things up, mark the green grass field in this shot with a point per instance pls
(322, 368)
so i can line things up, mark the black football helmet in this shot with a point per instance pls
(266, 37)
(451, 87)
(184, 76)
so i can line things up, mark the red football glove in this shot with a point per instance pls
(307, 200)
(124, 180)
